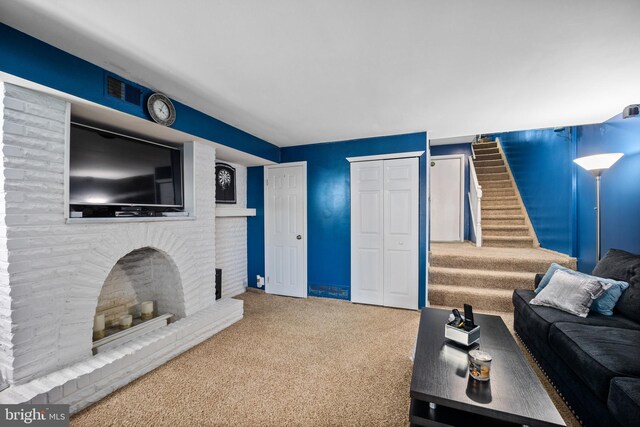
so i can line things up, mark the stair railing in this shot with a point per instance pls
(475, 200)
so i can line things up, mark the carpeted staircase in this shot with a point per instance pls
(505, 222)
(485, 277)
(510, 255)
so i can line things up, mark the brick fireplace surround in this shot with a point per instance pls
(52, 271)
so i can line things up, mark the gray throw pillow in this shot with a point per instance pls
(571, 293)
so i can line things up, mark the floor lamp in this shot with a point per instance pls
(596, 165)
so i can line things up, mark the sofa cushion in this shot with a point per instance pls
(536, 320)
(597, 354)
(621, 265)
(624, 400)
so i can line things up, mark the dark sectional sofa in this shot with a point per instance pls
(593, 362)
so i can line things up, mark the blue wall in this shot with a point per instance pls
(560, 196)
(328, 201)
(620, 199)
(255, 224)
(445, 150)
(24, 56)
(541, 163)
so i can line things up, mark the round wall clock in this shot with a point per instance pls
(161, 109)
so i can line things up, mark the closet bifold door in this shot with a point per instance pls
(400, 231)
(367, 232)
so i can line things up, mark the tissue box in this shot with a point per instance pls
(462, 336)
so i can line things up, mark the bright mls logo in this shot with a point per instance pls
(34, 415)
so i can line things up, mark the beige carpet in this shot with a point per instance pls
(288, 362)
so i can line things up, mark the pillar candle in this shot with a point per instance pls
(98, 323)
(146, 307)
(126, 321)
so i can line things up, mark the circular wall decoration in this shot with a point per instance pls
(225, 183)
(161, 109)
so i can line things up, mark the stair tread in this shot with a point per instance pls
(496, 292)
(501, 181)
(500, 207)
(483, 170)
(498, 198)
(463, 254)
(485, 273)
(510, 216)
(508, 238)
(483, 174)
(514, 254)
(504, 227)
(483, 163)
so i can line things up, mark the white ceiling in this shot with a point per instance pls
(297, 72)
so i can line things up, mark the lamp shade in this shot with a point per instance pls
(598, 162)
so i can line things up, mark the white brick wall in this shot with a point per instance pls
(231, 241)
(51, 272)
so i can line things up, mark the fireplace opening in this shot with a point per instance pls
(141, 293)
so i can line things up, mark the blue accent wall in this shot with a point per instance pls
(255, 224)
(560, 196)
(329, 209)
(620, 197)
(29, 58)
(541, 161)
(445, 150)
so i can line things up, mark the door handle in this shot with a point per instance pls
(299, 237)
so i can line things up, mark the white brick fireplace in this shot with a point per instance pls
(52, 269)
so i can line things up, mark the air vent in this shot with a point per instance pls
(115, 87)
(132, 94)
(124, 91)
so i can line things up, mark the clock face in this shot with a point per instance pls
(161, 109)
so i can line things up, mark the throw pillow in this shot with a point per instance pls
(621, 265)
(603, 304)
(547, 276)
(571, 293)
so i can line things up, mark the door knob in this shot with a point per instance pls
(299, 237)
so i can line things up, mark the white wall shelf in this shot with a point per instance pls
(231, 212)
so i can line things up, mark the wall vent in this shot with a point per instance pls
(124, 91)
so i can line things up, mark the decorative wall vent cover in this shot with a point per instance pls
(124, 91)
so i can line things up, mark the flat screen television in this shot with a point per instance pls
(109, 169)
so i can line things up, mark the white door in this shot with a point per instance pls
(384, 232)
(367, 234)
(447, 198)
(401, 233)
(285, 229)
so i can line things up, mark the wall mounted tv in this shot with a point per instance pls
(107, 169)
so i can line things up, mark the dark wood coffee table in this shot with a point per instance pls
(443, 393)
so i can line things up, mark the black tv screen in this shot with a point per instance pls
(110, 169)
